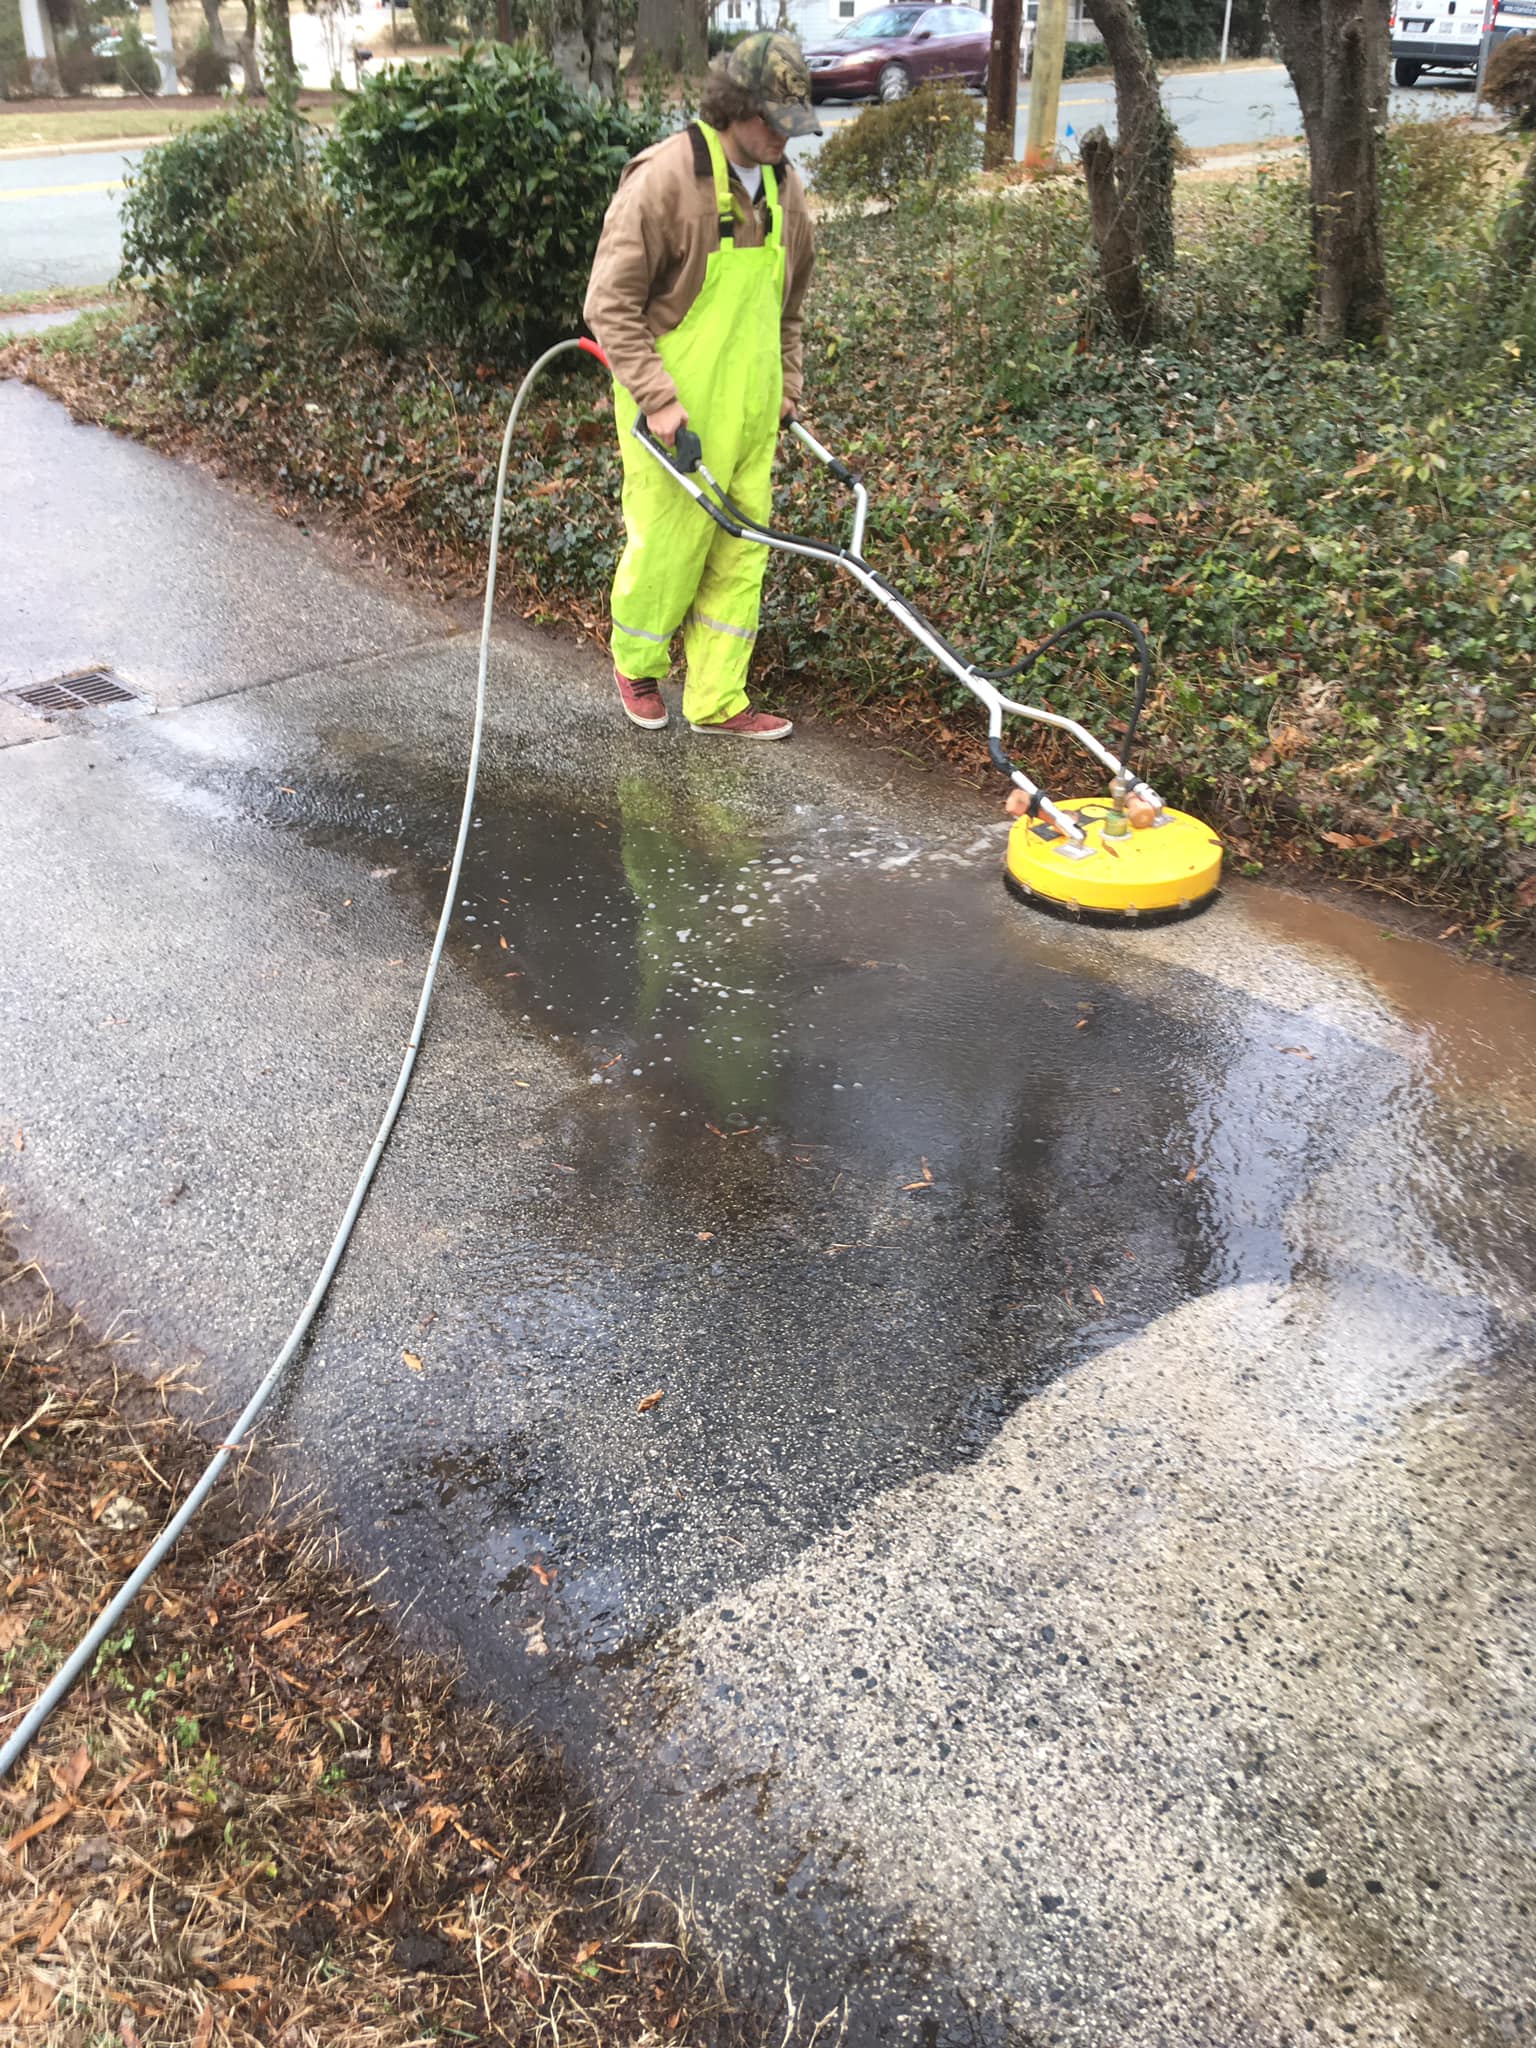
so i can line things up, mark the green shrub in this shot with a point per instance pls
(1510, 83)
(1080, 57)
(929, 142)
(177, 217)
(80, 67)
(722, 39)
(15, 67)
(138, 68)
(203, 69)
(484, 182)
(433, 19)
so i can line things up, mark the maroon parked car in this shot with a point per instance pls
(892, 49)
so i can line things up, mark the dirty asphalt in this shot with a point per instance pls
(1075, 1585)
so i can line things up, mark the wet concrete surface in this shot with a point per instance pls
(1075, 1583)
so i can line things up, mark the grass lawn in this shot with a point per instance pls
(34, 124)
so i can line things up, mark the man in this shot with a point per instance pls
(695, 299)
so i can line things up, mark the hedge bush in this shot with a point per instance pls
(1080, 57)
(138, 68)
(930, 141)
(203, 69)
(484, 182)
(177, 215)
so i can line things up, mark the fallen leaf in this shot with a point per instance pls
(123, 1513)
(19, 1142)
(1082, 1024)
(413, 1361)
(650, 1401)
(239, 1984)
(704, 1236)
(1300, 1051)
(544, 1578)
(586, 1952)
(56, 1926)
(1348, 840)
(1193, 1173)
(12, 1628)
(374, 875)
(281, 1628)
(40, 1826)
(503, 944)
(1097, 1296)
(1525, 895)
(202, 2033)
(71, 1776)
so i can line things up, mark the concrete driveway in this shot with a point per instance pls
(1075, 1585)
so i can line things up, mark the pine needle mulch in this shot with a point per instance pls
(261, 1819)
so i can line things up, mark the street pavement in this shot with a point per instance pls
(59, 218)
(1075, 1583)
(59, 214)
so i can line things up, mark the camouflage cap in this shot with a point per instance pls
(771, 68)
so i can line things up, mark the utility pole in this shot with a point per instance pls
(1003, 83)
(165, 54)
(1045, 86)
(1226, 31)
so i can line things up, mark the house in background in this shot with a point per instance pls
(813, 21)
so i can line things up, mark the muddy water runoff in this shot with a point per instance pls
(851, 1157)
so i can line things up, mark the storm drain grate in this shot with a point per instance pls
(88, 690)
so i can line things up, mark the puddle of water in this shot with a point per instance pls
(1478, 1025)
(852, 1159)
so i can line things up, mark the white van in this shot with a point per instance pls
(1446, 39)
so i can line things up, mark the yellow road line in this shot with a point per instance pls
(60, 191)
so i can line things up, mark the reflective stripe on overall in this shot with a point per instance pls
(678, 568)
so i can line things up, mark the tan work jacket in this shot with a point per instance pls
(658, 234)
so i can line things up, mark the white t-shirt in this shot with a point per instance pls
(751, 177)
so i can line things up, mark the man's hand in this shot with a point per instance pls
(787, 410)
(665, 424)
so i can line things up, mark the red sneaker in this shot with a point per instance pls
(749, 725)
(642, 701)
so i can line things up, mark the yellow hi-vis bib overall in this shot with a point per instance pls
(678, 568)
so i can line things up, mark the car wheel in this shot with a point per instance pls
(1406, 71)
(895, 83)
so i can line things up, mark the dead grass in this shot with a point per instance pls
(262, 1820)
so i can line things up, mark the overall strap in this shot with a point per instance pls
(775, 233)
(724, 205)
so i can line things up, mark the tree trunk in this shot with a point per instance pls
(673, 34)
(1143, 154)
(216, 34)
(584, 45)
(250, 65)
(1003, 84)
(274, 17)
(1337, 53)
(1119, 264)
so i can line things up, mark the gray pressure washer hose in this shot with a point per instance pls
(85, 1650)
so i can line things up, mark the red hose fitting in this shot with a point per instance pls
(592, 349)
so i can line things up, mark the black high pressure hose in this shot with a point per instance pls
(1072, 630)
(687, 454)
